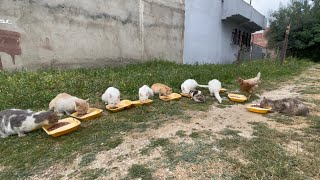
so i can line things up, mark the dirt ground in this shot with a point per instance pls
(117, 161)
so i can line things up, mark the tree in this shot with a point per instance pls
(304, 38)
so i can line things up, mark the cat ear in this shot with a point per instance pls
(140, 94)
(87, 99)
(110, 96)
(77, 103)
(264, 98)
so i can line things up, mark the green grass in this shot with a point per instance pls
(268, 159)
(280, 118)
(163, 142)
(30, 155)
(90, 174)
(181, 133)
(230, 132)
(140, 171)
(87, 159)
(310, 90)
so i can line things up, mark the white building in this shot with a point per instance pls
(215, 28)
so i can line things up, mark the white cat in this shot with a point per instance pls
(111, 97)
(145, 92)
(190, 84)
(65, 103)
(214, 88)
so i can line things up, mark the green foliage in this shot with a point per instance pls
(304, 37)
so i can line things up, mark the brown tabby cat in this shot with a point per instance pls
(161, 89)
(288, 106)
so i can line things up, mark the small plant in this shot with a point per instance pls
(139, 171)
(163, 142)
(195, 135)
(181, 133)
(87, 159)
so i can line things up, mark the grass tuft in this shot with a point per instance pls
(139, 171)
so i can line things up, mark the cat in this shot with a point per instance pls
(161, 89)
(145, 92)
(111, 97)
(214, 88)
(288, 106)
(65, 103)
(18, 121)
(190, 84)
(197, 96)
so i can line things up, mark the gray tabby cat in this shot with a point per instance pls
(288, 106)
(18, 121)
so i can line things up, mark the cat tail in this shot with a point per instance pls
(217, 95)
(203, 86)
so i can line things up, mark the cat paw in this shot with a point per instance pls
(21, 135)
(60, 114)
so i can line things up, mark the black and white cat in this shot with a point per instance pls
(197, 96)
(18, 121)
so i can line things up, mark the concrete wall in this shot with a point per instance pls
(83, 33)
(240, 7)
(208, 38)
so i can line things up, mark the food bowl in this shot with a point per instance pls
(257, 109)
(185, 95)
(222, 90)
(237, 97)
(72, 125)
(139, 103)
(92, 114)
(173, 96)
(121, 106)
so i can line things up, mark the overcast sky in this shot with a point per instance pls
(264, 6)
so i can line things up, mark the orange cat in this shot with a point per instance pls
(65, 103)
(161, 89)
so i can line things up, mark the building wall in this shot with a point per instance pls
(82, 33)
(259, 38)
(208, 39)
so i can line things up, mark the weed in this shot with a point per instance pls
(181, 133)
(163, 142)
(92, 174)
(87, 159)
(230, 132)
(139, 171)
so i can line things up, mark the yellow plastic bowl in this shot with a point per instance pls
(92, 114)
(121, 106)
(185, 95)
(222, 90)
(139, 103)
(254, 108)
(74, 124)
(237, 97)
(173, 96)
